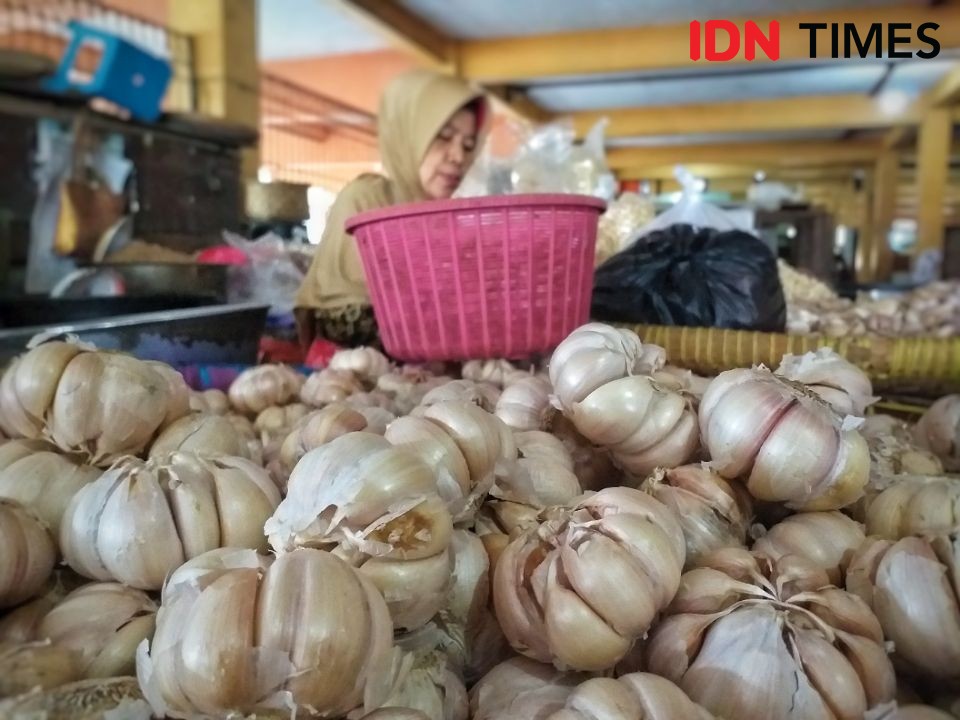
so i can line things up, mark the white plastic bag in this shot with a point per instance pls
(691, 209)
(272, 276)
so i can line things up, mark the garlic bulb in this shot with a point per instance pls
(938, 430)
(407, 387)
(893, 450)
(244, 428)
(102, 623)
(428, 685)
(784, 439)
(139, 521)
(301, 631)
(101, 699)
(911, 585)
(277, 421)
(373, 504)
(750, 637)
(316, 429)
(479, 393)
(915, 506)
(34, 666)
(329, 386)
(637, 695)
(19, 625)
(462, 444)
(594, 375)
(211, 402)
(501, 373)
(101, 404)
(525, 404)
(680, 380)
(257, 388)
(366, 363)
(35, 476)
(581, 590)
(834, 378)
(827, 540)
(712, 512)
(27, 554)
(378, 419)
(372, 399)
(591, 465)
(521, 689)
(178, 404)
(543, 474)
(202, 434)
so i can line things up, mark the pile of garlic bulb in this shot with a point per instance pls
(603, 536)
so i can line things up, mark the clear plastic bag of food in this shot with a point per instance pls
(271, 276)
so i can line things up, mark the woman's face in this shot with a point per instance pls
(449, 156)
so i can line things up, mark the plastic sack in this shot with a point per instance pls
(271, 277)
(690, 209)
(689, 276)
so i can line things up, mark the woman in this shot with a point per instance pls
(430, 127)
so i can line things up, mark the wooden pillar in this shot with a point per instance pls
(226, 69)
(876, 253)
(933, 167)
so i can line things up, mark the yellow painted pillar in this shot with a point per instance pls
(878, 257)
(933, 167)
(226, 69)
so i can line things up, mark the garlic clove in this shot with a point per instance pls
(415, 590)
(27, 554)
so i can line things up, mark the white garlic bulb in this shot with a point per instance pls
(542, 475)
(211, 402)
(139, 521)
(27, 554)
(203, 434)
(938, 430)
(178, 403)
(923, 506)
(501, 373)
(635, 695)
(834, 378)
(329, 386)
(482, 394)
(787, 443)
(316, 429)
(302, 631)
(102, 623)
(366, 363)
(525, 404)
(257, 388)
(522, 689)
(827, 540)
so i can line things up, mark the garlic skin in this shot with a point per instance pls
(893, 450)
(911, 585)
(27, 554)
(525, 404)
(839, 382)
(938, 430)
(595, 376)
(211, 402)
(636, 695)
(329, 386)
(907, 712)
(366, 363)
(301, 631)
(37, 666)
(316, 429)
(371, 502)
(407, 386)
(592, 465)
(378, 419)
(483, 394)
(462, 444)
(102, 405)
(543, 474)
(923, 506)
(827, 540)
(395, 713)
(102, 623)
(140, 521)
(522, 689)
(712, 512)
(581, 589)
(788, 444)
(428, 685)
(100, 699)
(257, 388)
(178, 404)
(203, 434)
(37, 477)
(749, 637)
(252, 443)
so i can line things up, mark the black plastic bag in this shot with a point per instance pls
(697, 277)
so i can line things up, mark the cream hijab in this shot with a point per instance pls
(413, 109)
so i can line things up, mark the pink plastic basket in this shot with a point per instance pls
(505, 276)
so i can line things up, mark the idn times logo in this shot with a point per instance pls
(847, 40)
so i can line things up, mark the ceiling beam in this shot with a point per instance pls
(405, 30)
(518, 102)
(729, 171)
(814, 112)
(766, 154)
(662, 47)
